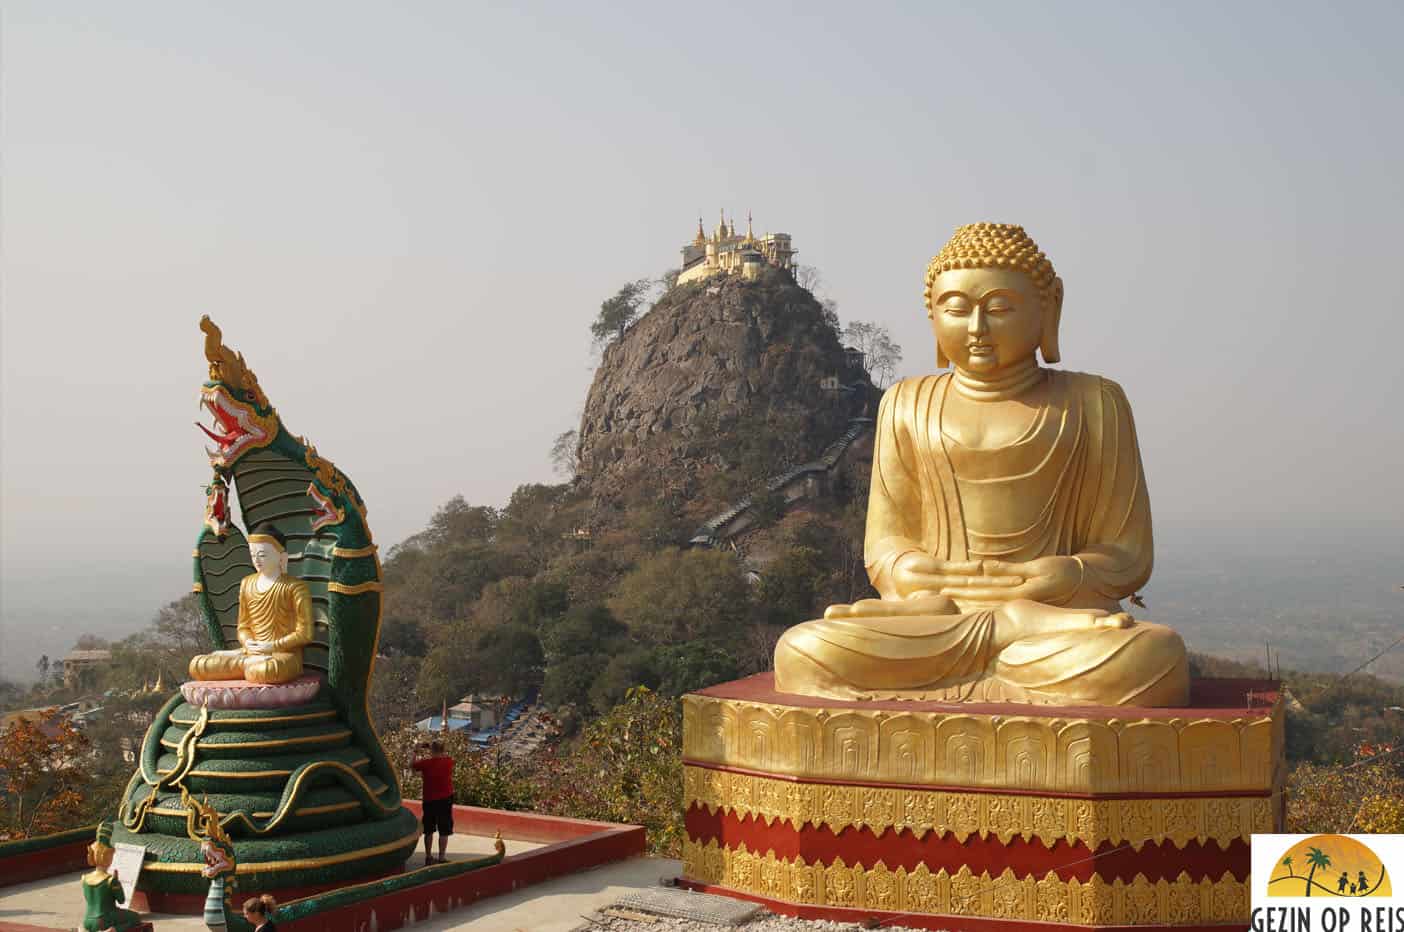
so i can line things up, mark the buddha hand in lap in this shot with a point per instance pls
(275, 620)
(1007, 516)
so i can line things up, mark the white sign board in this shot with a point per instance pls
(126, 864)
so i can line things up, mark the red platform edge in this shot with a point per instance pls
(1156, 860)
(1209, 698)
(927, 920)
(21, 927)
(46, 862)
(570, 846)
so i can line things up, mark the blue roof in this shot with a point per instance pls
(436, 723)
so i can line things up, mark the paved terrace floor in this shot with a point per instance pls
(553, 906)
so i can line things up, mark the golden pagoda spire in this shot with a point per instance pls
(701, 235)
(750, 237)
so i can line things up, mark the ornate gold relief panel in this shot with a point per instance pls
(906, 748)
(965, 751)
(799, 743)
(850, 746)
(838, 806)
(1024, 754)
(1257, 757)
(1086, 758)
(1182, 902)
(1209, 755)
(1150, 757)
(758, 737)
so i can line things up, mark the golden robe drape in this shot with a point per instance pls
(1070, 485)
(281, 616)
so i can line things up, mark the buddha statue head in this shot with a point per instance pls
(993, 300)
(268, 551)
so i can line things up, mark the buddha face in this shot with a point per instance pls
(987, 321)
(267, 559)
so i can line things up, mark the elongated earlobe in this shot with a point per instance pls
(1052, 315)
(941, 361)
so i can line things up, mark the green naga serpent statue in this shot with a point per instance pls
(303, 792)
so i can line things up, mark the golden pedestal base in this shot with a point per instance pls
(999, 814)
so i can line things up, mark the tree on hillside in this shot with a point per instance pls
(536, 520)
(180, 627)
(509, 660)
(392, 691)
(627, 768)
(43, 777)
(682, 595)
(618, 312)
(880, 352)
(456, 522)
(789, 590)
(564, 454)
(669, 279)
(683, 668)
(808, 278)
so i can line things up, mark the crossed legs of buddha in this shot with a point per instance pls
(277, 667)
(1019, 651)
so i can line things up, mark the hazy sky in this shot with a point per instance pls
(406, 217)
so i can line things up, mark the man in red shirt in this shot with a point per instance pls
(437, 804)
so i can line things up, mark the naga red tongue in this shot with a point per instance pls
(222, 440)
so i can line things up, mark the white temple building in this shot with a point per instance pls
(725, 253)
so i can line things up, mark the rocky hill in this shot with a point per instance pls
(757, 363)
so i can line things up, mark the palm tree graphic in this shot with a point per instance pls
(1287, 863)
(1316, 858)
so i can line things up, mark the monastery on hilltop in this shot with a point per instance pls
(725, 253)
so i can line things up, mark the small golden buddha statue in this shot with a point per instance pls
(1007, 516)
(275, 620)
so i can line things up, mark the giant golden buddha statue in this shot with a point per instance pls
(1007, 517)
(275, 620)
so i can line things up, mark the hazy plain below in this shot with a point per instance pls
(1325, 599)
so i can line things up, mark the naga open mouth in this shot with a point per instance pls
(236, 427)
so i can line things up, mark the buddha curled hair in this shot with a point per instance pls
(995, 246)
(260, 906)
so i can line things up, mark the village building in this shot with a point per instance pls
(79, 660)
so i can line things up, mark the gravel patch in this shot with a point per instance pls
(763, 922)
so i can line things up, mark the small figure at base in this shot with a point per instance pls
(101, 890)
(259, 913)
(437, 769)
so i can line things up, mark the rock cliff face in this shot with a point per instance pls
(710, 358)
